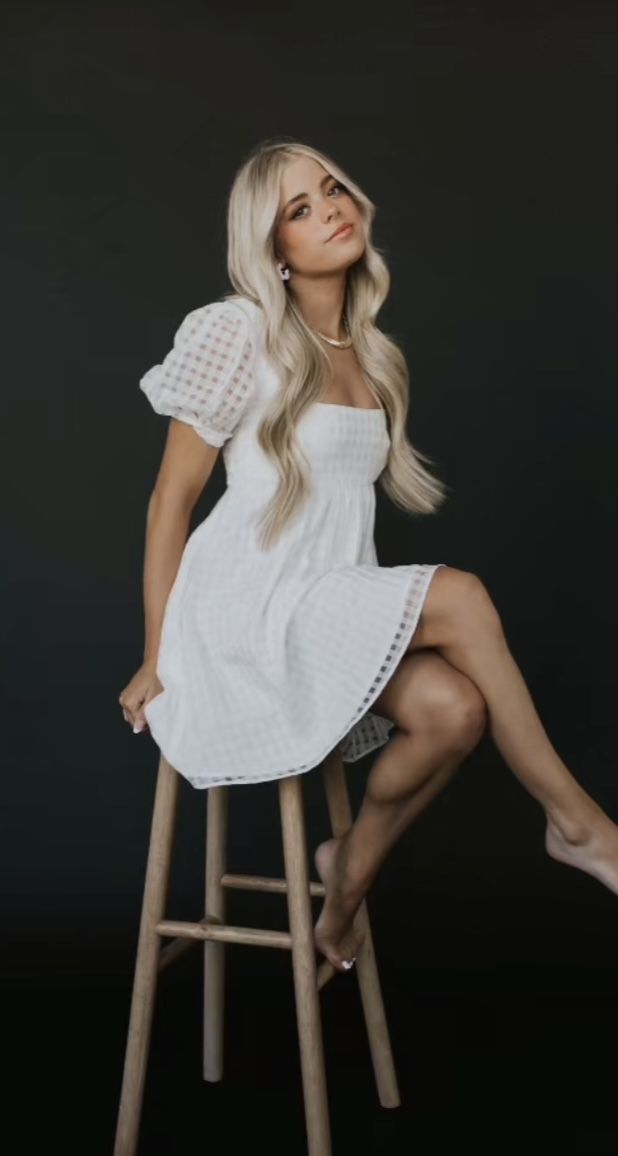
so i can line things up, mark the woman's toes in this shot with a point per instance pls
(341, 954)
(347, 950)
(334, 938)
(339, 963)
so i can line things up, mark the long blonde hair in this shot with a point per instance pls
(297, 354)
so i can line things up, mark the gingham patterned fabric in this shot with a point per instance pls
(206, 379)
(270, 659)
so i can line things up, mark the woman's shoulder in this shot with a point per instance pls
(251, 308)
(212, 373)
(233, 311)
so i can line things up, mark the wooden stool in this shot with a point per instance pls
(308, 978)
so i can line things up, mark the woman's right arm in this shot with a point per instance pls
(186, 466)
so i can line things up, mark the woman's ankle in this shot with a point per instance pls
(574, 829)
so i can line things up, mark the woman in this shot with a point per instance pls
(272, 634)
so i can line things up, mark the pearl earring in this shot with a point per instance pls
(284, 272)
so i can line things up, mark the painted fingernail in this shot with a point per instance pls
(348, 963)
(137, 729)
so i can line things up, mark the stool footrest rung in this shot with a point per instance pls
(265, 883)
(188, 937)
(224, 933)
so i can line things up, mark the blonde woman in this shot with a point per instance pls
(272, 635)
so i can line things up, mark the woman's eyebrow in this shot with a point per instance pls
(299, 196)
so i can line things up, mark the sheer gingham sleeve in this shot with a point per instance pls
(207, 378)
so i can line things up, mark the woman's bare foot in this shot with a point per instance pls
(334, 933)
(594, 848)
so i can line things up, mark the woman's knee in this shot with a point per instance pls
(465, 718)
(466, 604)
(457, 605)
(454, 710)
(428, 694)
(475, 607)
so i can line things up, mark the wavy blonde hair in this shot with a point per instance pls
(298, 355)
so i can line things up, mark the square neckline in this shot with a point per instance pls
(358, 408)
(325, 404)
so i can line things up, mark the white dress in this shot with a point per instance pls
(271, 659)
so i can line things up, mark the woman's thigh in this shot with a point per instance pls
(425, 690)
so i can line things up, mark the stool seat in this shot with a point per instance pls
(214, 933)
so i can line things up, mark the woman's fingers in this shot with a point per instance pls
(134, 716)
(139, 723)
(133, 698)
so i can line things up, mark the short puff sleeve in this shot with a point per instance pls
(207, 378)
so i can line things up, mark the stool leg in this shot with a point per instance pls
(338, 801)
(304, 965)
(214, 953)
(146, 966)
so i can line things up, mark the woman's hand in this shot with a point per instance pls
(143, 686)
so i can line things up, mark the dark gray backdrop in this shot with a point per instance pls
(486, 135)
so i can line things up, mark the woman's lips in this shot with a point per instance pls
(344, 231)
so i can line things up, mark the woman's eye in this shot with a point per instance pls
(337, 185)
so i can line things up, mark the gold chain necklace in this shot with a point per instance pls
(345, 344)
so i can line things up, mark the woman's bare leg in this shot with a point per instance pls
(349, 863)
(461, 623)
(442, 716)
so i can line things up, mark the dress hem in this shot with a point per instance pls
(414, 599)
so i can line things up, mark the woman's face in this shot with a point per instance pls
(319, 205)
